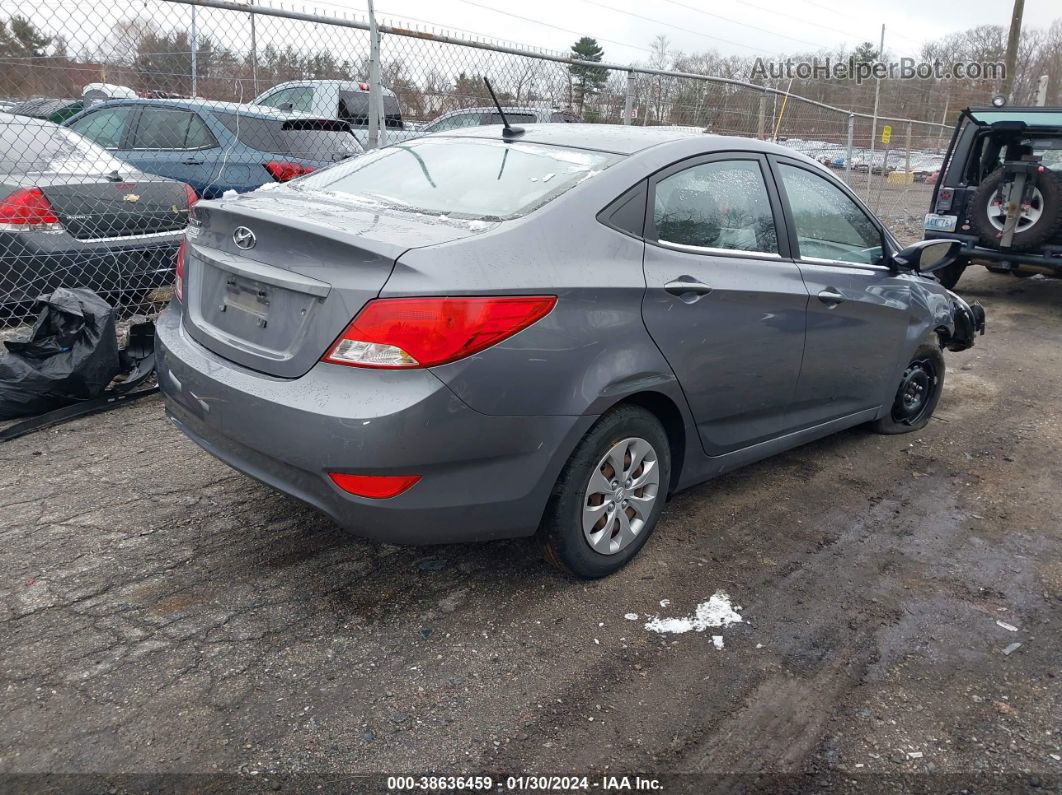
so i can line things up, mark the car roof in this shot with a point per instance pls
(259, 111)
(1032, 117)
(620, 139)
(349, 85)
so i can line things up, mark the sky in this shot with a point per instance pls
(626, 28)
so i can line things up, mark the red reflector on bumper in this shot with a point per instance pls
(375, 487)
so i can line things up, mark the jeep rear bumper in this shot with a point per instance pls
(1046, 256)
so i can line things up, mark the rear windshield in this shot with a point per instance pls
(42, 147)
(464, 178)
(312, 139)
(354, 107)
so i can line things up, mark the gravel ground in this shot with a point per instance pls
(162, 613)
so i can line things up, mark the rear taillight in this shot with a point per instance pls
(425, 332)
(178, 280)
(191, 196)
(282, 172)
(27, 210)
(375, 487)
(945, 196)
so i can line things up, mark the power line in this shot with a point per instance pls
(743, 24)
(669, 25)
(549, 25)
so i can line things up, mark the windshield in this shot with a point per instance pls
(464, 178)
(43, 148)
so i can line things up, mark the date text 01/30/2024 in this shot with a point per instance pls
(534, 783)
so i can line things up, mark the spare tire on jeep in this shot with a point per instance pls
(1036, 224)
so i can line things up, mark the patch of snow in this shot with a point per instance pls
(631, 616)
(717, 641)
(665, 602)
(716, 612)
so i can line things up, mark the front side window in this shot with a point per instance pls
(829, 225)
(465, 178)
(722, 205)
(104, 127)
(299, 99)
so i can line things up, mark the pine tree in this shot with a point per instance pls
(587, 79)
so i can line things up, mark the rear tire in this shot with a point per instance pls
(599, 515)
(917, 394)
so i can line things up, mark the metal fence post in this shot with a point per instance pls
(628, 102)
(254, 51)
(195, 55)
(375, 80)
(851, 141)
(761, 122)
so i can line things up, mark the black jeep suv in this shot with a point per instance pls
(1000, 191)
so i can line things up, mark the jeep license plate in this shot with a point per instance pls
(940, 223)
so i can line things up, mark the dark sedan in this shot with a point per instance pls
(71, 215)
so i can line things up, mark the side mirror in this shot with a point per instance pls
(286, 107)
(927, 256)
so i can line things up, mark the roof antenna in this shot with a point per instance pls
(508, 131)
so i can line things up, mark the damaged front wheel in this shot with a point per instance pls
(918, 393)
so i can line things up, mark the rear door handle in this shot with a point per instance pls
(830, 296)
(687, 289)
(191, 161)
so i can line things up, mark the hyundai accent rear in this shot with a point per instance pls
(494, 333)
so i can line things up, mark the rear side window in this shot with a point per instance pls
(354, 108)
(721, 205)
(312, 139)
(166, 128)
(106, 127)
(463, 178)
(455, 122)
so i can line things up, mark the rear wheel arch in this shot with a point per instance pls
(670, 416)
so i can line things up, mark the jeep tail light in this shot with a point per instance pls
(178, 281)
(945, 196)
(28, 210)
(425, 332)
(375, 487)
(282, 172)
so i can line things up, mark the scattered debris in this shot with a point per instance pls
(1011, 649)
(1006, 626)
(915, 754)
(716, 612)
(631, 616)
(665, 602)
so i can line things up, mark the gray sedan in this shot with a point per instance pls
(485, 334)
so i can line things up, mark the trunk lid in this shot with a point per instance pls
(90, 210)
(276, 304)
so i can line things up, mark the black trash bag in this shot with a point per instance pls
(72, 355)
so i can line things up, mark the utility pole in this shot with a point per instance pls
(1012, 48)
(874, 127)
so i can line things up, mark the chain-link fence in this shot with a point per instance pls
(163, 102)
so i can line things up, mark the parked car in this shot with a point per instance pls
(72, 215)
(346, 100)
(48, 108)
(475, 336)
(215, 146)
(476, 117)
(991, 151)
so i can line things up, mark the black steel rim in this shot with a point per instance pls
(916, 390)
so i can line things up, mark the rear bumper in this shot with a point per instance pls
(482, 477)
(112, 268)
(1048, 256)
